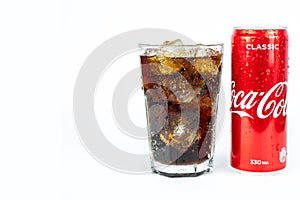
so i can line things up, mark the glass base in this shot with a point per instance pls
(191, 170)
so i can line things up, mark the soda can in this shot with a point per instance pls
(259, 99)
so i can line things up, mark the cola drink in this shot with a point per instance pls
(181, 86)
(259, 99)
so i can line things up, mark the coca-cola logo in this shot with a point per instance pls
(271, 103)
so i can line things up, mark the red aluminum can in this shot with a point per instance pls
(259, 99)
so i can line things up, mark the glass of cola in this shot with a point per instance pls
(181, 87)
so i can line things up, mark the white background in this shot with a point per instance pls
(43, 45)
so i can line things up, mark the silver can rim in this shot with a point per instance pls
(259, 28)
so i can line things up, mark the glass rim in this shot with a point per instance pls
(141, 45)
(260, 28)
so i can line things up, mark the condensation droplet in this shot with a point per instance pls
(277, 147)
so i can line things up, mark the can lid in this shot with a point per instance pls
(260, 28)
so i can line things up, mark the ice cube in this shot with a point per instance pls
(206, 64)
(180, 138)
(212, 52)
(185, 140)
(168, 65)
(172, 49)
(174, 42)
(150, 52)
(179, 130)
(183, 126)
(165, 55)
(180, 88)
(192, 52)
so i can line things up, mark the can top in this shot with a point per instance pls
(259, 28)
